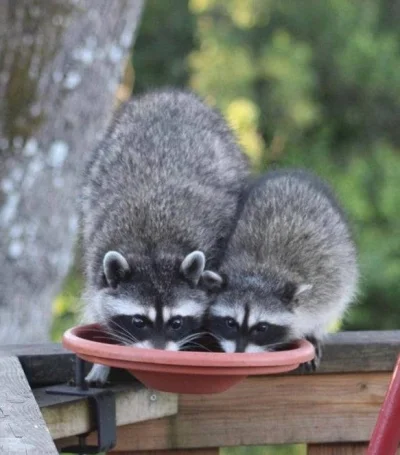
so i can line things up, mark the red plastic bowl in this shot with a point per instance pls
(183, 372)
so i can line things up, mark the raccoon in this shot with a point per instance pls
(290, 269)
(157, 202)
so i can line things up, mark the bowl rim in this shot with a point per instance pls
(72, 340)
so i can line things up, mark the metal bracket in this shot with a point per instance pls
(102, 405)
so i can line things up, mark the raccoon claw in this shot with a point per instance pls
(308, 367)
(98, 375)
(312, 365)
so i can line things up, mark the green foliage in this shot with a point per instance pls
(322, 83)
(66, 306)
(304, 83)
(166, 36)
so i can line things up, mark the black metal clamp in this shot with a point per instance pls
(102, 405)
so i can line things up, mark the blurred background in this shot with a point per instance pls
(308, 83)
(305, 83)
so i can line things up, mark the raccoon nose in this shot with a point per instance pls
(159, 344)
(240, 346)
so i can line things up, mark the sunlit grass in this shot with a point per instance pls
(66, 305)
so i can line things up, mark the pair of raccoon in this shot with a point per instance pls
(177, 244)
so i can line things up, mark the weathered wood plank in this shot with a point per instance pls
(344, 352)
(49, 363)
(268, 410)
(134, 405)
(22, 428)
(351, 352)
(43, 364)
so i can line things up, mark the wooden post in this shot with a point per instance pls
(22, 428)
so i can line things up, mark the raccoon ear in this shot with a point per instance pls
(302, 288)
(115, 267)
(193, 266)
(212, 281)
(292, 290)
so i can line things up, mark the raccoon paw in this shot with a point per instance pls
(312, 365)
(98, 375)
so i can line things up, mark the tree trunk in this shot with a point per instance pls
(60, 65)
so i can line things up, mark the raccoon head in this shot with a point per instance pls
(153, 302)
(254, 314)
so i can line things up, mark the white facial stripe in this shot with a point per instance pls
(144, 344)
(255, 317)
(254, 348)
(166, 313)
(187, 308)
(228, 346)
(171, 346)
(129, 308)
(152, 314)
(222, 311)
(126, 307)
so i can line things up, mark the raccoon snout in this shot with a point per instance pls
(228, 346)
(165, 345)
(159, 344)
(240, 346)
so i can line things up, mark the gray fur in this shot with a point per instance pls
(163, 183)
(291, 261)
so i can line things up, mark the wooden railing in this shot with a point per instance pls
(333, 411)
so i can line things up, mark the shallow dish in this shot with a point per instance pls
(183, 372)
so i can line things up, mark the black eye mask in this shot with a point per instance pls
(131, 329)
(262, 334)
(272, 334)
